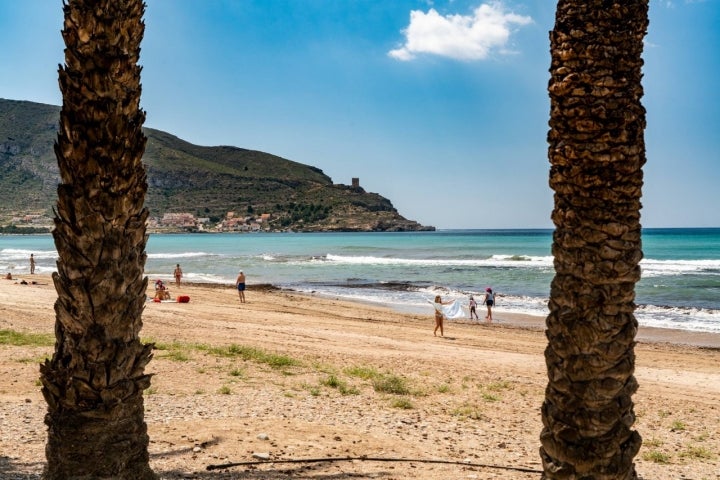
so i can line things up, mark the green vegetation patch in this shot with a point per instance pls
(341, 386)
(402, 403)
(34, 360)
(489, 397)
(656, 456)
(697, 452)
(253, 354)
(498, 386)
(391, 384)
(365, 373)
(469, 411)
(677, 426)
(21, 339)
(177, 352)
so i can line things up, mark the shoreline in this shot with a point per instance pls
(472, 397)
(650, 335)
(654, 335)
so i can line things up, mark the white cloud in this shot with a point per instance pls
(462, 37)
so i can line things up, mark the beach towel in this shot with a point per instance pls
(451, 310)
(157, 300)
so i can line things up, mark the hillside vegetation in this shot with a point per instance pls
(204, 181)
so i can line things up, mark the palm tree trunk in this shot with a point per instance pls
(94, 383)
(596, 152)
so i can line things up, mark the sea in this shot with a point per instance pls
(679, 287)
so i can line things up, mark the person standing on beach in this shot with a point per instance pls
(439, 316)
(489, 301)
(178, 274)
(240, 284)
(32, 264)
(473, 306)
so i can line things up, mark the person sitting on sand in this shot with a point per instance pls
(8, 276)
(161, 292)
(439, 316)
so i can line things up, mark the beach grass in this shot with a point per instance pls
(363, 372)
(257, 355)
(402, 403)
(332, 381)
(656, 456)
(444, 388)
(696, 452)
(677, 426)
(34, 360)
(178, 351)
(390, 383)
(469, 411)
(23, 339)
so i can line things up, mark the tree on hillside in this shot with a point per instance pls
(94, 382)
(596, 151)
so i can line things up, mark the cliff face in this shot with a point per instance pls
(204, 181)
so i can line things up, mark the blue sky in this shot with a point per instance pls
(440, 106)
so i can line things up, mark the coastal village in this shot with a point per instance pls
(189, 222)
(167, 223)
(347, 208)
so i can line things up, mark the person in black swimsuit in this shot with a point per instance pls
(489, 301)
(240, 284)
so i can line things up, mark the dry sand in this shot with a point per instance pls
(473, 397)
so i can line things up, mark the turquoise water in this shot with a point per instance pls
(680, 285)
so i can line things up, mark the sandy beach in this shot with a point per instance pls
(286, 377)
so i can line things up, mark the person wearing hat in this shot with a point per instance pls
(489, 301)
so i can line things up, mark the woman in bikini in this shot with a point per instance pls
(439, 317)
(489, 302)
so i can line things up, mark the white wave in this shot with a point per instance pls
(189, 277)
(685, 318)
(690, 319)
(493, 261)
(206, 278)
(649, 267)
(180, 255)
(16, 254)
(656, 268)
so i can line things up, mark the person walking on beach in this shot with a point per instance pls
(473, 306)
(489, 301)
(178, 274)
(439, 316)
(240, 284)
(32, 264)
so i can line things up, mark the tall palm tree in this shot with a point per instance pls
(596, 152)
(94, 382)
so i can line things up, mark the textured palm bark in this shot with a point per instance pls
(596, 152)
(94, 383)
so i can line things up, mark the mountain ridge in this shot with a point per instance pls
(205, 181)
